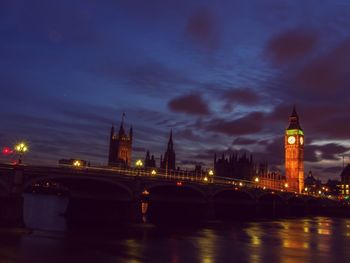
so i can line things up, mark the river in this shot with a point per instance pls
(318, 239)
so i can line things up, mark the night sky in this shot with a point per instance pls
(224, 75)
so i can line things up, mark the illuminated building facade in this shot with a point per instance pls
(120, 146)
(294, 154)
(168, 162)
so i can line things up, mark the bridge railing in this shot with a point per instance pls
(155, 173)
(175, 175)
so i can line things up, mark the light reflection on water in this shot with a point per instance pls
(290, 240)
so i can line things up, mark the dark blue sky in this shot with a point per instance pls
(222, 74)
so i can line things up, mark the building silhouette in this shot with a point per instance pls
(150, 162)
(168, 161)
(294, 154)
(235, 166)
(120, 146)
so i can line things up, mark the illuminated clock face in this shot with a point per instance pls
(301, 139)
(291, 139)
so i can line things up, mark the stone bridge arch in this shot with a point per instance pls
(271, 204)
(202, 193)
(94, 201)
(76, 184)
(4, 187)
(175, 204)
(233, 204)
(238, 191)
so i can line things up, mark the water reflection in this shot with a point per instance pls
(290, 240)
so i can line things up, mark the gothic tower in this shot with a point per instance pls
(120, 146)
(294, 154)
(168, 162)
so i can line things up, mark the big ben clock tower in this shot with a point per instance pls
(294, 154)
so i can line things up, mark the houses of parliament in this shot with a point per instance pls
(231, 166)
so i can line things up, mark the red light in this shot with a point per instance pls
(179, 183)
(7, 151)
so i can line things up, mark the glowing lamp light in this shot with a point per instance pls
(139, 163)
(179, 184)
(205, 179)
(240, 184)
(21, 147)
(286, 185)
(319, 192)
(211, 172)
(153, 172)
(306, 189)
(77, 163)
(145, 192)
(256, 179)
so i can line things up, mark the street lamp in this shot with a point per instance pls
(211, 175)
(153, 172)
(77, 163)
(139, 165)
(21, 148)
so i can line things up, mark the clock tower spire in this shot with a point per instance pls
(294, 153)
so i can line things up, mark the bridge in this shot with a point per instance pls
(108, 195)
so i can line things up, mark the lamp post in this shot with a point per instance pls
(21, 148)
(139, 165)
(211, 175)
(256, 180)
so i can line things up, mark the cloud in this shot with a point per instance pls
(248, 124)
(244, 96)
(333, 170)
(328, 74)
(147, 77)
(236, 96)
(202, 29)
(291, 45)
(191, 104)
(243, 141)
(331, 151)
(58, 22)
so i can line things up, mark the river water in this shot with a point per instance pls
(318, 239)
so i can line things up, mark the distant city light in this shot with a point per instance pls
(286, 185)
(211, 172)
(205, 179)
(256, 179)
(179, 183)
(240, 184)
(153, 172)
(145, 192)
